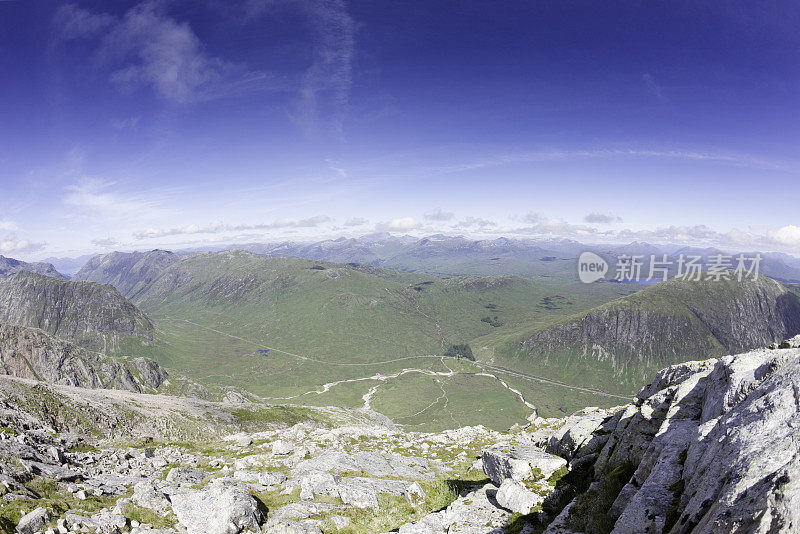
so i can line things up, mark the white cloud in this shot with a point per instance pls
(218, 227)
(475, 222)
(105, 242)
(786, 235)
(293, 223)
(440, 215)
(653, 87)
(785, 238)
(530, 217)
(325, 90)
(341, 171)
(601, 218)
(517, 158)
(93, 196)
(356, 221)
(8, 225)
(160, 52)
(125, 124)
(10, 244)
(73, 22)
(401, 224)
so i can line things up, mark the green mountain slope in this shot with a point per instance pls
(617, 345)
(348, 313)
(89, 314)
(326, 323)
(330, 333)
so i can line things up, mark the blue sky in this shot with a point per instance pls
(166, 123)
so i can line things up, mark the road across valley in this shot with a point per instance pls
(487, 369)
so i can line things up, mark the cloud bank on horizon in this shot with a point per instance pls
(170, 123)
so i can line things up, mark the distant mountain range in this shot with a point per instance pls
(130, 272)
(443, 255)
(68, 266)
(9, 266)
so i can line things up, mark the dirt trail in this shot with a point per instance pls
(490, 370)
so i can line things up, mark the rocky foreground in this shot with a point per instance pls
(708, 446)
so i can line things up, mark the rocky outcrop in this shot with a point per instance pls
(89, 314)
(708, 446)
(668, 323)
(32, 353)
(129, 272)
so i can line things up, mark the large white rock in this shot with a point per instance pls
(224, 507)
(33, 521)
(519, 463)
(475, 513)
(318, 483)
(147, 495)
(516, 497)
(358, 494)
(293, 527)
(282, 448)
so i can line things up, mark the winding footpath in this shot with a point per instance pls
(484, 369)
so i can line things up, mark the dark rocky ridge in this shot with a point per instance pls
(671, 322)
(87, 313)
(32, 353)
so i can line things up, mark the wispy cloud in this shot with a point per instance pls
(341, 171)
(475, 222)
(148, 48)
(601, 218)
(439, 215)
(400, 224)
(159, 52)
(653, 87)
(73, 22)
(736, 160)
(106, 243)
(10, 244)
(129, 123)
(93, 196)
(325, 90)
(219, 227)
(356, 221)
(8, 225)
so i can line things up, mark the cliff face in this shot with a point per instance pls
(129, 272)
(10, 266)
(671, 322)
(32, 353)
(89, 314)
(708, 446)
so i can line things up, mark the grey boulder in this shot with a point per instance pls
(224, 507)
